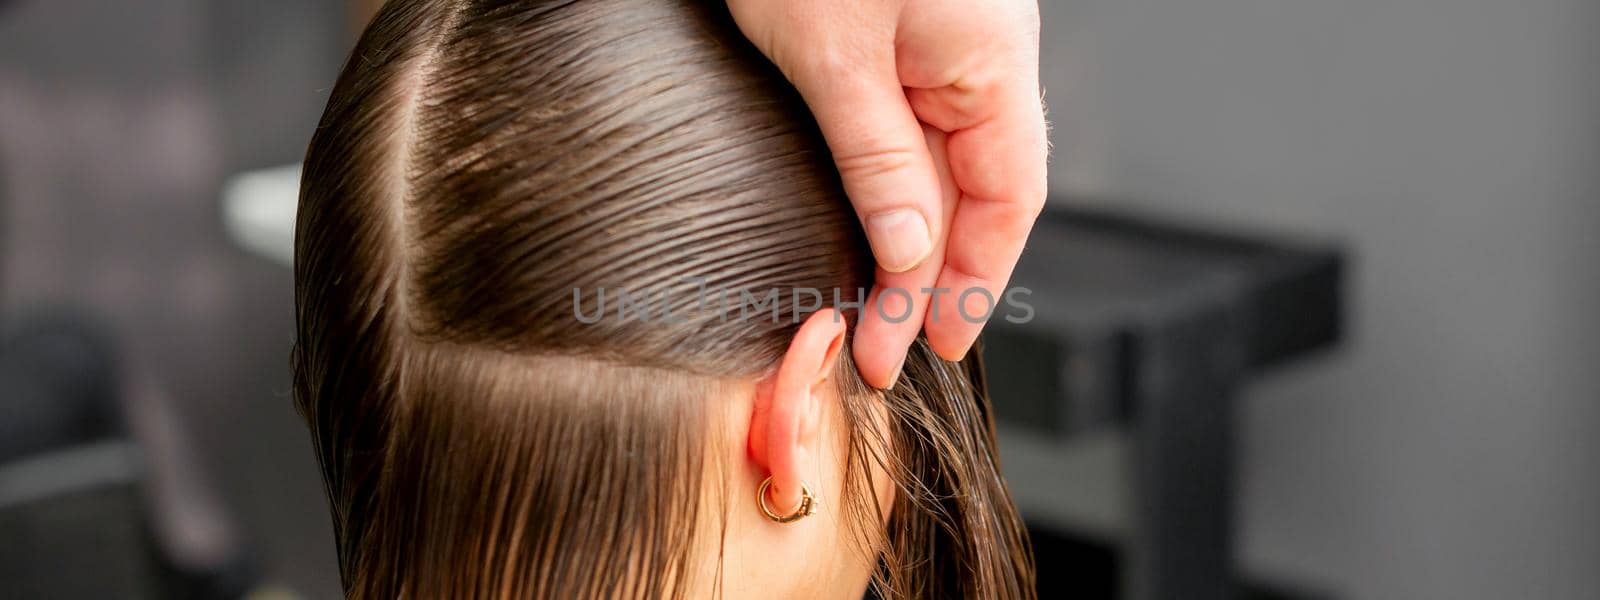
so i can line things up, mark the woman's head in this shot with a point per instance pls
(494, 190)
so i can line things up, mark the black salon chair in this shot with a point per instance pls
(100, 496)
(1115, 403)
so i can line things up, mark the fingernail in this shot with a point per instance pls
(956, 356)
(964, 352)
(894, 379)
(900, 239)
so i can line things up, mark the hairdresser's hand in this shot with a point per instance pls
(875, 73)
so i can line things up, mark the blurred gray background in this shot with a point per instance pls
(1450, 449)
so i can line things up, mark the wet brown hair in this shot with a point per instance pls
(481, 160)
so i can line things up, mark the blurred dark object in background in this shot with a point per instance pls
(1115, 401)
(118, 123)
(88, 507)
(57, 377)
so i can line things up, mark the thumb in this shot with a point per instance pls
(882, 156)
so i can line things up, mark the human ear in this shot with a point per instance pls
(784, 421)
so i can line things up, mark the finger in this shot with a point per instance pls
(999, 165)
(898, 304)
(882, 156)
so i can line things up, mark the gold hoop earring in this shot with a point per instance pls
(808, 503)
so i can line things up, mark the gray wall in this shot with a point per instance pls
(1452, 448)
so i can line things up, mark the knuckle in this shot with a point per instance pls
(1033, 203)
(875, 162)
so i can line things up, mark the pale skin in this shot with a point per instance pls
(933, 113)
(792, 428)
(789, 425)
(882, 75)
